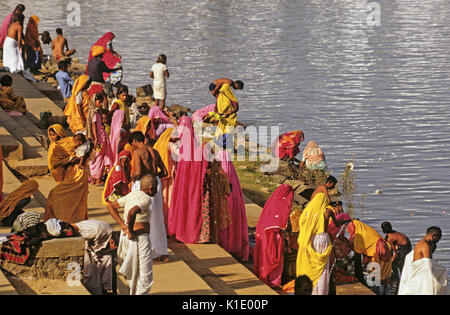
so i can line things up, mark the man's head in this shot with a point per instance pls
(433, 235)
(62, 66)
(6, 80)
(135, 138)
(18, 18)
(330, 182)
(162, 59)
(20, 8)
(303, 285)
(144, 109)
(79, 139)
(238, 85)
(59, 31)
(386, 227)
(149, 184)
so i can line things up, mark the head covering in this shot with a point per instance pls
(53, 227)
(4, 28)
(234, 238)
(59, 152)
(74, 116)
(156, 113)
(7, 206)
(268, 255)
(32, 33)
(313, 153)
(97, 50)
(200, 114)
(116, 176)
(108, 58)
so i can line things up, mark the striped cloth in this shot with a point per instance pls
(25, 220)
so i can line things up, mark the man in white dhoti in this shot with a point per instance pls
(147, 161)
(12, 47)
(135, 248)
(421, 274)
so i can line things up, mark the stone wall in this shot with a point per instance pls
(56, 259)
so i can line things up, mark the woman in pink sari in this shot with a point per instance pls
(161, 122)
(268, 255)
(116, 132)
(184, 218)
(96, 132)
(234, 238)
(199, 115)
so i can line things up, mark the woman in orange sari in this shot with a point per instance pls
(61, 150)
(77, 108)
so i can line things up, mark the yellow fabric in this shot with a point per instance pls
(125, 109)
(59, 153)
(68, 200)
(74, 116)
(142, 124)
(97, 50)
(7, 206)
(294, 218)
(162, 146)
(224, 106)
(312, 222)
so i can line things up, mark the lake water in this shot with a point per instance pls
(376, 94)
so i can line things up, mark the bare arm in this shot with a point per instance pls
(131, 218)
(137, 166)
(160, 164)
(151, 74)
(166, 73)
(113, 210)
(218, 83)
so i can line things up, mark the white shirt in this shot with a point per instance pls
(159, 79)
(140, 199)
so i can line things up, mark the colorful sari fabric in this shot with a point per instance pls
(27, 189)
(268, 254)
(116, 127)
(224, 105)
(234, 238)
(59, 153)
(126, 110)
(103, 157)
(75, 118)
(313, 156)
(33, 48)
(4, 28)
(287, 144)
(156, 113)
(163, 148)
(199, 115)
(110, 60)
(118, 175)
(370, 243)
(313, 257)
(185, 210)
(1, 173)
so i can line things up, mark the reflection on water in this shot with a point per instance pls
(375, 94)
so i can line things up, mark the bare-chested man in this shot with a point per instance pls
(145, 161)
(330, 183)
(427, 245)
(12, 47)
(401, 246)
(60, 46)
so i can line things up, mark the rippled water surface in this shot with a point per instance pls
(375, 94)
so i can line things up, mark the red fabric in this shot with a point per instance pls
(268, 255)
(333, 229)
(95, 89)
(184, 218)
(234, 238)
(118, 175)
(4, 28)
(16, 249)
(287, 144)
(108, 58)
(383, 250)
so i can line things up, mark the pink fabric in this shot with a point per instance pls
(116, 126)
(234, 238)
(104, 157)
(268, 255)
(184, 218)
(200, 114)
(4, 28)
(108, 58)
(156, 112)
(333, 229)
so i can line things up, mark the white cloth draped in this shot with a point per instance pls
(320, 244)
(11, 55)
(422, 277)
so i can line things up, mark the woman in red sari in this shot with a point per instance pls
(286, 146)
(111, 58)
(268, 255)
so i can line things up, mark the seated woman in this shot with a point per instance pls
(9, 101)
(313, 157)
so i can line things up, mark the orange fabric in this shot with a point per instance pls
(31, 37)
(1, 172)
(75, 118)
(7, 206)
(59, 153)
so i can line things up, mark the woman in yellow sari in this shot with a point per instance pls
(314, 246)
(77, 108)
(61, 150)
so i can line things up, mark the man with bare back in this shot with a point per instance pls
(60, 46)
(12, 47)
(146, 160)
(330, 183)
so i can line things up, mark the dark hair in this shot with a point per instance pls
(100, 96)
(162, 59)
(240, 84)
(59, 31)
(18, 18)
(62, 65)
(336, 203)
(20, 7)
(144, 104)
(137, 135)
(6, 80)
(331, 178)
(434, 230)
(46, 38)
(80, 136)
(121, 89)
(302, 281)
(386, 227)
